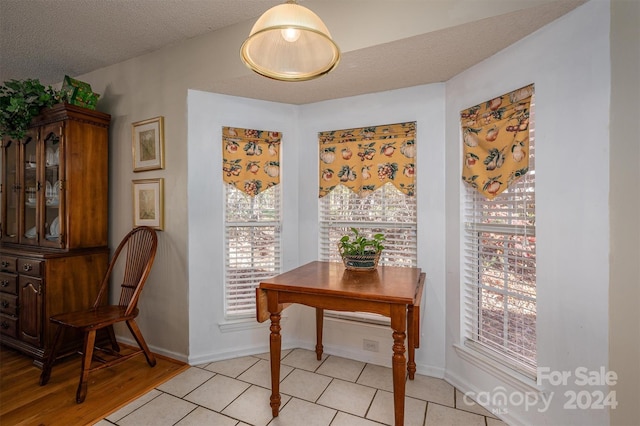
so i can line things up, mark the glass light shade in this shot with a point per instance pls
(290, 43)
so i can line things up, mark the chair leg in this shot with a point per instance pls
(112, 338)
(133, 327)
(89, 341)
(51, 357)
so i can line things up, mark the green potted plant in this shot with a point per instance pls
(20, 101)
(360, 253)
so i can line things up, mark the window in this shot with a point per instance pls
(500, 271)
(386, 210)
(252, 246)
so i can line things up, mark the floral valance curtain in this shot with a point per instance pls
(496, 142)
(364, 159)
(250, 159)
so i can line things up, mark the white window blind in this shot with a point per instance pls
(252, 246)
(387, 211)
(500, 271)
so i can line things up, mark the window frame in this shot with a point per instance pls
(520, 227)
(255, 221)
(332, 228)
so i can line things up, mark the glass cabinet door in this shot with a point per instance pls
(29, 189)
(10, 191)
(52, 185)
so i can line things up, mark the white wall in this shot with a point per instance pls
(208, 113)
(153, 85)
(157, 84)
(568, 61)
(425, 105)
(300, 125)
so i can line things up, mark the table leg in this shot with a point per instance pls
(275, 345)
(399, 362)
(319, 324)
(411, 342)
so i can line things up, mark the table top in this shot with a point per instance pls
(385, 284)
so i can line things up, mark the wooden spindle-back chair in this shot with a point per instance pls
(137, 250)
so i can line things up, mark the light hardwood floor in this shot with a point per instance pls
(24, 402)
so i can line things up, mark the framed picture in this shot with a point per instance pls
(148, 144)
(148, 203)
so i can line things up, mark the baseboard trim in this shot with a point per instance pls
(464, 386)
(156, 350)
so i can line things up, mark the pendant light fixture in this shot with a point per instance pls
(290, 43)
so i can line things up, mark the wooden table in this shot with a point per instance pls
(390, 291)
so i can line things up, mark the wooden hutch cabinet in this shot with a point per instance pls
(54, 224)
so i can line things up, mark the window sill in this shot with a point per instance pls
(361, 318)
(232, 326)
(513, 378)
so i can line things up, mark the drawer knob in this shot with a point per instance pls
(5, 264)
(5, 283)
(27, 267)
(4, 325)
(5, 304)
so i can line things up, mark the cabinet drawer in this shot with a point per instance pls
(30, 267)
(8, 283)
(9, 304)
(8, 263)
(8, 325)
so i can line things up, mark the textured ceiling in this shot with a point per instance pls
(47, 39)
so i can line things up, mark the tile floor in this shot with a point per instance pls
(334, 391)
